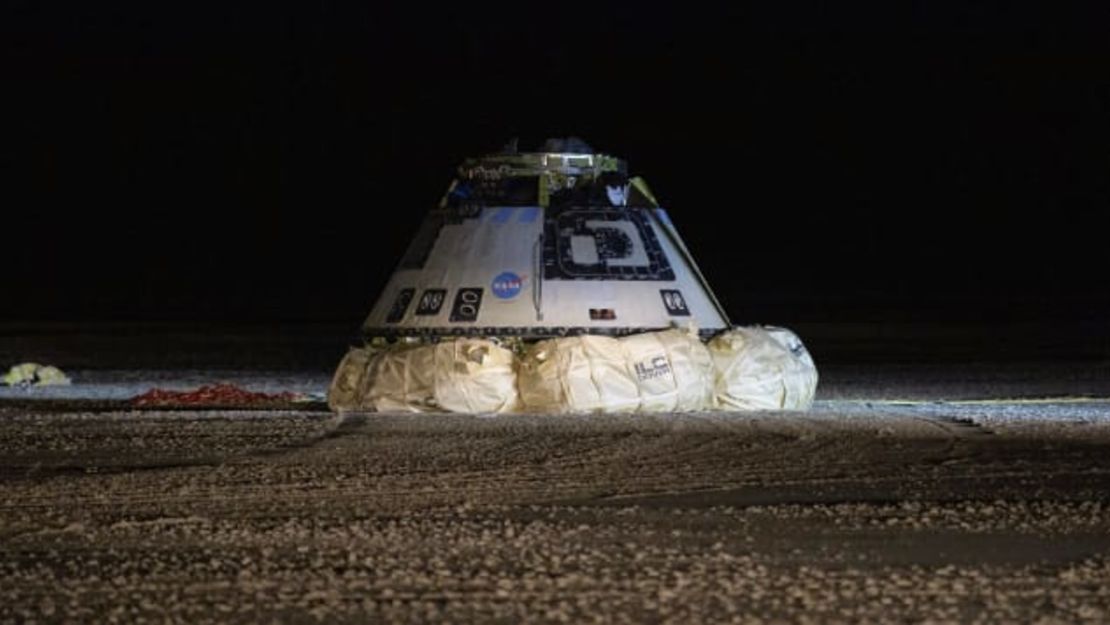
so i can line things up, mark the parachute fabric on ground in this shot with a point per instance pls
(21, 374)
(756, 369)
(34, 374)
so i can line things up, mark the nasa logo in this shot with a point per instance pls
(507, 285)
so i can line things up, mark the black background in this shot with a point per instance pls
(269, 163)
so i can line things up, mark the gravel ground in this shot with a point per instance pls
(916, 493)
(859, 511)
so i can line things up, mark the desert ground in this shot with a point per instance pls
(912, 492)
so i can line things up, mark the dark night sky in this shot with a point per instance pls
(269, 164)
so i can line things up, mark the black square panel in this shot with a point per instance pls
(612, 242)
(400, 305)
(431, 301)
(466, 306)
(675, 303)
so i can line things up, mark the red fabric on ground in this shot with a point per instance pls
(212, 395)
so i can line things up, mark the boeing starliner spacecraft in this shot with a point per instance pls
(553, 282)
(556, 242)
